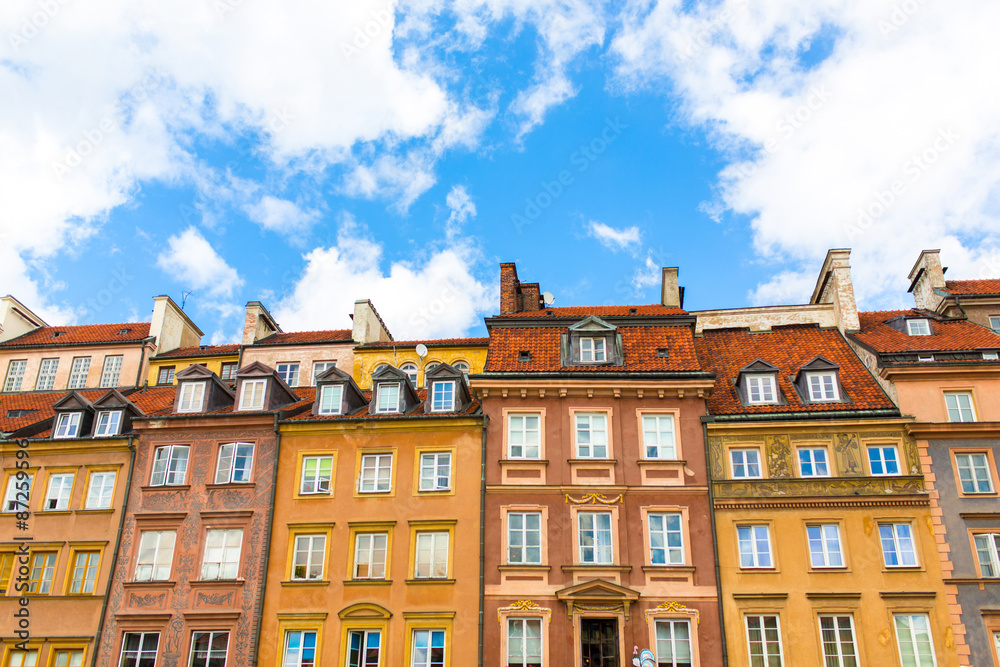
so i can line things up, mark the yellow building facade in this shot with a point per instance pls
(466, 354)
(223, 360)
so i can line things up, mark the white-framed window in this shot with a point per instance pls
(428, 648)
(67, 425)
(208, 649)
(388, 398)
(364, 648)
(524, 538)
(252, 394)
(101, 490)
(192, 397)
(745, 463)
(991, 355)
(431, 559)
(411, 372)
(988, 552)
(156, 553)
(84, 573)
(15, 486)
(235, 463)
(593, 349)
(524, 642)
(823, 386)
(47, 374)
(591, 435)
(139, 649)
(658, 437)
(309, 557)
(58, 494)
(112, 369)
(43, 568)
(169, 465)
(300, 648)
(673, 643)
(918, 327)
(913, 634)
(443, 396)
(369, 555)
(760, 389)
(974, 472)
(995, 323)
(839, 646)
(289, 372)
(166, 375)
(435, 471)
(108, 423)
(331, 399)
(824, 545)
(883, 460)
(229, 371)
(523, 436)
(764, 640)
(222, 554)
(812, 462)
(666, 539)
(78, 372)
(897, 544)
(959, 404)
(316, 474)
(594, 533)
(755, 546)
(923, 357)
(376, 473)
(320, 367)
(15, 374)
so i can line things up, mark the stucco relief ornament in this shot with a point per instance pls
(594, 499)
(522, 605)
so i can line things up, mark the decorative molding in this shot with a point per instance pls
(829, 486)
(595, 499)
(522, 606)
(673, 607)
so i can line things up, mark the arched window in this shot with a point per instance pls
(428, 368)
(463, 368)
(411, 371)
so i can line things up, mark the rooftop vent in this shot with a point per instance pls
(633, 311)
(524, 355)
(662, 352)
(57, 334)
(122, 332)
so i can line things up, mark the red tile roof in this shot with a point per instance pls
(86, 334)
(154, 400)
(306, 337)
(417, 413)
(201, 351)
(639, 347)
(438, 342)
(973, 287)
(948, 335)
(40, 403)
(726, 351)
(600, 311)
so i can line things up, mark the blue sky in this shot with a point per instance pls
(310, 154)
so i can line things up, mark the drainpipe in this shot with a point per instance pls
(715, 543)
(142, 359)
(482, 539)
(267, 539)
(114, 558)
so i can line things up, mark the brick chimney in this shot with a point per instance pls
(834, 286)
(510, 289)
(258, 323)
(670, 291)
(531, 296)
(926, 276)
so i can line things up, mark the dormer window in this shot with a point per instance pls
(330, 399)
(443, 396)
(388, 398)
(823, 386)
(108, 423)
(760, 389)
(918, 327)
(192, 397)
(593, 350)
(252, 394)
(67, 425)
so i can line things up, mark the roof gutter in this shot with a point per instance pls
(804, 416)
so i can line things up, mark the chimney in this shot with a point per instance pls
(834, 286)
(531, 296)
(171, 327)
(926, 277)
(368, 326)
(670, 294)
(510, 289)
(258, 323)
(16, 319)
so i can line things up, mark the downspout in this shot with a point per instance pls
(482, 539)
(114, 558)
(267, 538)
(715, 543)
(142, 359)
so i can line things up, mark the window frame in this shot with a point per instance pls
(680, 549)
(78, 376)
(90, 488)
(167, 472)
(825, 553)
(757, 556)
(207, 659)
(524, 532)
(524, 431)
(434, 563)
(592, 447)
(362, 468)
(988, 465)
(436, 468)
(42, 585)
(363, 659)
(671, 623)
(65, 494)
(191, 396)
(88, 568)
(407, 367)
(310, 553)
(383, 407)
(431, 632)
(139, 657)
(766, 382)
(226, 552)
(320, 367)
(46, 381)
(443, 405)
(112, 372)
(337, 406)
(249, 401)
(12, 491)
(71, 422)
(994, 321)
(882, 460)
(733, 464)
(762, 619)
(165, 375)
(812, 449)
(13, 381)
(915, 326)
(960, 409)
(896, 542)
(526, 657)
(822, 375)
(993, 552)
(914, 644)
(247, 470)
(288, 371)
(372, 549)
(659, 447)
(837, 630)
(157, 563)
(598, 548)
(305, 458)
(227, 371)
(303, 648)
(594, 350)
(110, 428)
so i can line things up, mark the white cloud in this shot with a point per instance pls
(281, 216)
(196, 265)
(460, 204)
(614, 239)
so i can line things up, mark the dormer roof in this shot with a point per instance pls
(447, 372)
(592, 323)
(278, 394)
(74, 401)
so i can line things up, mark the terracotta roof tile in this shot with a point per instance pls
(154, 400)
(948, 335)
(726, 351)
(201, 351)
(973, 287)
(437, 342)
(81, 335)
(305, 337)
(40, 405)
(600, 311)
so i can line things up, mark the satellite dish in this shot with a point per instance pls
(421, 350)
(548, 299)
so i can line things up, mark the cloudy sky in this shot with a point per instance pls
(307, 154)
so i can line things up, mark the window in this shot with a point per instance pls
(462, 368)
(591, 436)
(192, 397)
(913, 632)
(918, 327)
(376, 473)
(6, 567)
(755, 546)
(78, 372)
(837, 635)
(411, 372)
(431, 561)
(883, 460)
(84, 572)
(330, 399)
(222, 554)
(18, 658)
(252, 396)
(959, 405)
(369, 555)
(156, 553)
(47, 374)
(108, 423)
(58, 494)
(289, 373)
(307, 564)
(67, 425)
(388, 398)
(812, 462)
(991, 355)
(593, 349)
(745, 463)
(823, 386)
(974, 473)
(69, 658)
(228, 371)
(658, 436)
(988, 551)
(112, 368)
(925, 357)
(595, 538)
(169, 465)
(442, 396)
(364, 648)
(316, 474)
(435, 471)
(428, 648)
(666, 541)
(524, 642)
(166, 375)
(673, 644)
(824, 545)
(897, 545)
(139, 649)
(300, 649)
(524, 538)
(760, 389)
(18, 493)
(208, 649)
(523, 436)
(15, 374)
(764, 640)
(235, 463)
(319, 367)
(43, 566)
(995, 323)
(102, 487)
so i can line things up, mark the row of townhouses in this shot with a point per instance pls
(788, 485)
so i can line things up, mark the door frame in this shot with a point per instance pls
(616, 616)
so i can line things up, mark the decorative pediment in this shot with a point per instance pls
(113, 400)
(388, 375)
(819, 364)
(592, 324)
(194, 372)
(759, 366)
(364, 610)
(598, 595)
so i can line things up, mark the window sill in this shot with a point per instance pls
(758, 570)
(523, 567)
(231, 485)
(207, 583)
(902, 568)
(591, 459)
(586, 567)
(52, 513)
(159, 583)
(517, 461)
(668, 568)
(165, 487)
(430, 580)
(306, 582)
(368, 582)
(103, 510)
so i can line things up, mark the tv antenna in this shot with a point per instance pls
(184, 298)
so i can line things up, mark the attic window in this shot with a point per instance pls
(633, 311)
(925, 357)
(823, 386)
(918, 327)
(662, 352)
(991, 355)
(593, 349)
(67, 425)
(122, 332)
(524, 355)
(760, 389)
(57, 334)
(14, 414)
